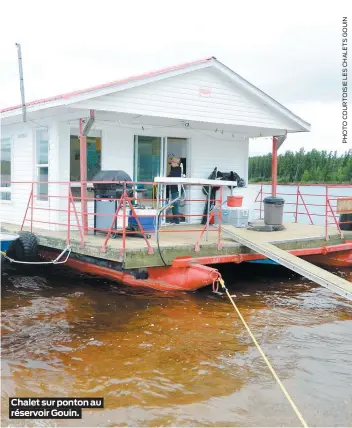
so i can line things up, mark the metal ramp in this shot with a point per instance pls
(255, 241)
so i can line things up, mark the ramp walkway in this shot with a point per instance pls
(258, 241)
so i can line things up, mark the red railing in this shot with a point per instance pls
(318, 206)
(326, 207)
(74, 216)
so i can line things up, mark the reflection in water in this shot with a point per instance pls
(163, 358)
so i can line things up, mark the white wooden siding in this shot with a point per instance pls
(208, 153)
(117, 153)
(205, 153)
(117, 149)
(200, 95)
(23, 138)
(22, 166)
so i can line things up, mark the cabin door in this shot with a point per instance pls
(151, 159)
(178, 147)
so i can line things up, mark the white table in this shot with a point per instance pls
(162, 181)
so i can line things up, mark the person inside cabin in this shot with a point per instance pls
(172, 190)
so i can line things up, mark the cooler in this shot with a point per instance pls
(146, 217)
(235, 216)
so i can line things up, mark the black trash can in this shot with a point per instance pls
(273, 211)
(345, 221)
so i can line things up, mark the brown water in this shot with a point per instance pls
(178, 359)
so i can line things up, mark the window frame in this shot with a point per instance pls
(9, 188)
(44, 197)
(95, 133)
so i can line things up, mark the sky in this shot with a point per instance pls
(289, 49)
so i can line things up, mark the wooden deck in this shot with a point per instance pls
(176, 241)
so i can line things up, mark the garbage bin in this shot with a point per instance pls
(273, 210)
(345, 221)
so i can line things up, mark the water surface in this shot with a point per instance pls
(179, 359)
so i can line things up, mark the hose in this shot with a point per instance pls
(157, 226)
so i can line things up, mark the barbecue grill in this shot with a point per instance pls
(105, 195)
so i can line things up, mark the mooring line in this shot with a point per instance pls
(287, 395)
(51, 262)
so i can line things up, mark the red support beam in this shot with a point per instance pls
(83, 175)
(245, 257)
(274, 168)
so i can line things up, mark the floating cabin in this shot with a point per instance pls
(83, 166)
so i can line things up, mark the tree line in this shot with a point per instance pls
(303, 167)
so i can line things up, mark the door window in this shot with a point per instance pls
(148, 161)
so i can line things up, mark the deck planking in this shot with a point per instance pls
(178, 241)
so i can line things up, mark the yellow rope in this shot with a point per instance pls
(287, 395)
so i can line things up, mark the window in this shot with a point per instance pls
(42, 163)
(93, 157)
(93, 160)
(147, 159)
(5, 186)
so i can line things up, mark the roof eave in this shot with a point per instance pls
(99, 90)
(303, 126)
(134, 81)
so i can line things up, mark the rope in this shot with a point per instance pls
(216, 286)
(51, 262)
(287, 395)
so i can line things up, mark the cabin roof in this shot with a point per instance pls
(110, 87)
(109, 84)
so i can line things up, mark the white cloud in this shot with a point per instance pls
(325, 134)
(291, 50)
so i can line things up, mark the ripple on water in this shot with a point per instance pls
(143, 350)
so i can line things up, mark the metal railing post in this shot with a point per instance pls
(77, 219)
(68, 236)
(297, 195)
(122, 251)
(208, 214)
(306, 207)
(26, 212)
(158, 207)
(261, 200)
(326, 212)
(83, 177)
(220, 220)
(32, 208)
